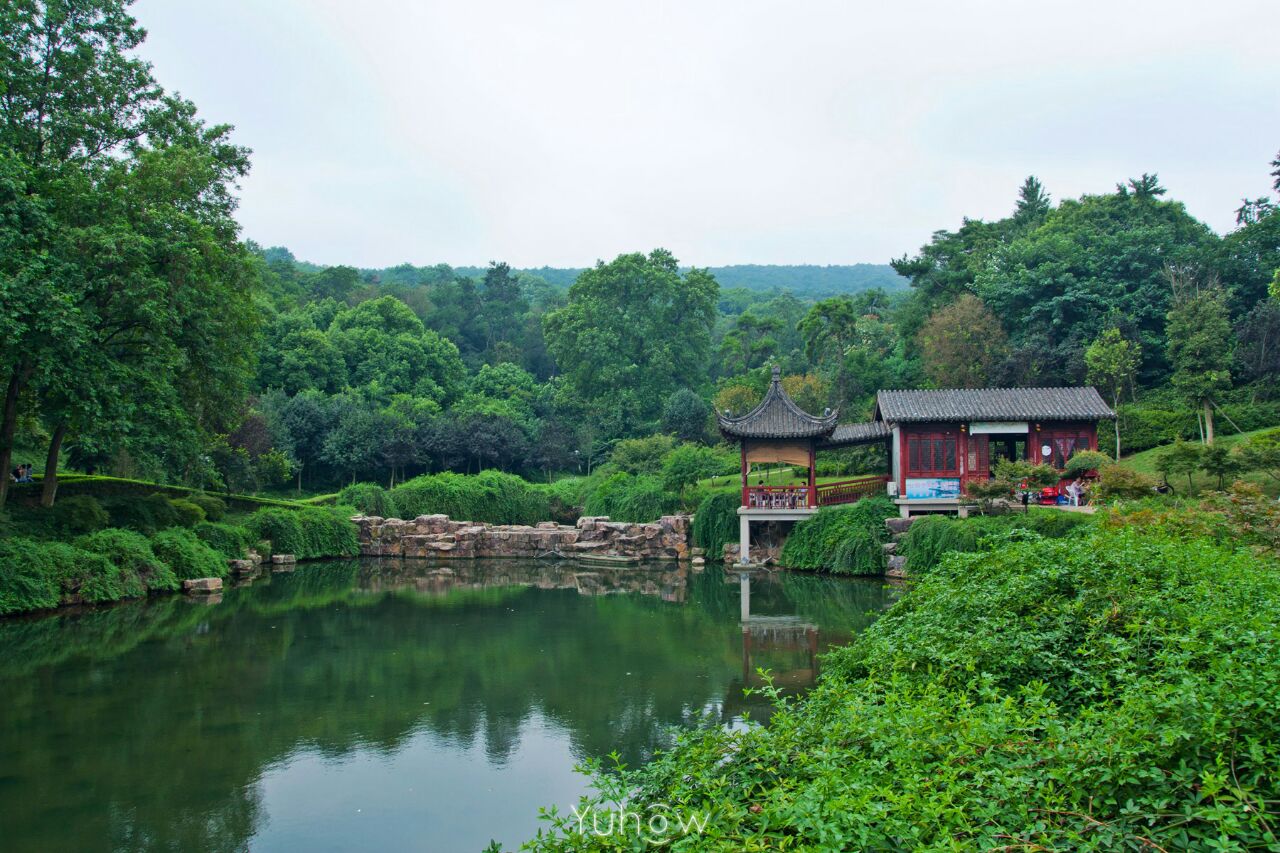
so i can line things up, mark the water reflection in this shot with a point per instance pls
(378, 704)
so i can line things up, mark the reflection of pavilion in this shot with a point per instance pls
(776, 633)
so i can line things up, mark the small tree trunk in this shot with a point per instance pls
(299, 481)
(49, 489)
(1116, 422)
(1208, 421)
(8, 424)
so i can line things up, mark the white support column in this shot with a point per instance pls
(744, 595)
(744, 539)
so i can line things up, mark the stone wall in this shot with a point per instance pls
(440, 536)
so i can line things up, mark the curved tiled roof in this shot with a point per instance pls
(992, 404)
(777, 416)
(847, 434)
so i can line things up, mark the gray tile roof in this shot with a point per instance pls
(777, 416)
(992, 404)
(849, 434)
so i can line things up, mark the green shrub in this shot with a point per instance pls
(78, 514)
(214, 507)
(28, 575)
(130, 552)
(145, 514)
(38, 575)
(308, 533)
(641, 455)
(188, 513)
(625, 497)
(1114, 691)
(369, 499)
(842, 539)
(490, 496)
(1117, 481)
(715, 524)
(565, 498)
(186, 555)
(933, 536)
(229, 540)
(1084, 462)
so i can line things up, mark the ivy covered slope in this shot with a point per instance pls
(1110, 691)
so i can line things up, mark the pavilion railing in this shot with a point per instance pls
(828, 494)
(776, 497)
(848, 491)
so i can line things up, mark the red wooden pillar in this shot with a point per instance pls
(963, 451)
(813, 475)
(902, 462)
(743, 444)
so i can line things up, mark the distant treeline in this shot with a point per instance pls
(801, 279)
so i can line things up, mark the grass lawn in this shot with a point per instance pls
(1146, 463)
(772, 477)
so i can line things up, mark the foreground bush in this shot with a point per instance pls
(37, 575)
(187, 556)
(188, 513)
(845, 540)
(626, 497)
(130, 552)
(715, 524)
(933, 536)
(490, 496)
(1111, 692)
(308, 533)
(369, 499)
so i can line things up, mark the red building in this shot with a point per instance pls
(936, 442)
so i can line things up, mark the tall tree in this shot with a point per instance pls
(1199, 332)
(633, 331)
(962, 344)
(135, 268)
(1113, 363)
(1033, 203)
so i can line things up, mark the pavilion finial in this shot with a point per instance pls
(777, 373)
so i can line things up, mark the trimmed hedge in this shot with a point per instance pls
(308, 533)
(214, 507)
(490, 496)
(146, 514)
(183, 551)
(715, 524)
(845, 540)
(189, 513)
(369, 499)
(229, 540)
(930, 538)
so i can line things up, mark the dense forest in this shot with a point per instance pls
(146, 337)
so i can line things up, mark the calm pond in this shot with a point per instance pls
(380, 705)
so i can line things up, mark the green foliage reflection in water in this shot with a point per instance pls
(338, 658)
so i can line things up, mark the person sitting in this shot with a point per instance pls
(1074, 491)
(26, 473)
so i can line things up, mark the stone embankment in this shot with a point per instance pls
(593, 537)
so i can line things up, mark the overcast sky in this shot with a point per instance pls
(559, 132)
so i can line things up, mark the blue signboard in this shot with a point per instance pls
(930, 488)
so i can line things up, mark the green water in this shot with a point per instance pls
(380, 705)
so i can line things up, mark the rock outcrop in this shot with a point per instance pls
(593, 536)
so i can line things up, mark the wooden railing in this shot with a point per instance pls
(797, 497)
(848, 491)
